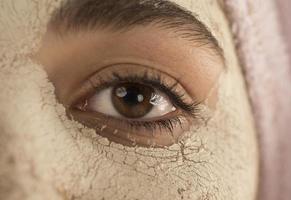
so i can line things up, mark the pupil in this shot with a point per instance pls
(131, 95)
(132, 100)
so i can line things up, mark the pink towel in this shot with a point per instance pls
(262, 50)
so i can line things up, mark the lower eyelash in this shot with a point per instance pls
(163, 124)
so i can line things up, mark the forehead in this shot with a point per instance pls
(34, 15)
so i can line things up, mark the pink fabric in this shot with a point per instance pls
(262, 50)
(285, 15)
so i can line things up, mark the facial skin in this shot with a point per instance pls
(45, 155)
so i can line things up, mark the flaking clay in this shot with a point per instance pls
(44, 155)
(103, 127)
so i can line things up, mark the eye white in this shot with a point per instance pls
(101, 102)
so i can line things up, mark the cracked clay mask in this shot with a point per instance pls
(150, 105)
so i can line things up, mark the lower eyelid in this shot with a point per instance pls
(120, 132)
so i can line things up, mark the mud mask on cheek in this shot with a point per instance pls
(45, 155)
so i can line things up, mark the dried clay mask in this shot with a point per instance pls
(55, 142)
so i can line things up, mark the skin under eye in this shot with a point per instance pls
(135, 105)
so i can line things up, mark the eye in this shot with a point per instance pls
(134, 105)
(132, 101)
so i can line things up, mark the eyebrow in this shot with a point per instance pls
(75, 15)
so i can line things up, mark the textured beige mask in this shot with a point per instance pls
(43, 155)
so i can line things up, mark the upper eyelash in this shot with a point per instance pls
(177, 98)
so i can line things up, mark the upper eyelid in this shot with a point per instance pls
(90, 79)
(100, 69)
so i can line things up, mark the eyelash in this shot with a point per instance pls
(167, 124)
(176, 98)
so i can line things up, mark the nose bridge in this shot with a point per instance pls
(7, 160)
(21, 102)
(13, 161)
(10, 139)
(15, 165)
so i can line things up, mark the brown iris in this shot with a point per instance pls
(132, 100)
